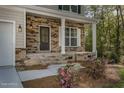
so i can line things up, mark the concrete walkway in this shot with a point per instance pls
(35, 74)
(9, 78)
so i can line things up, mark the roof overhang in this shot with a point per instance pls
(51, 13)
(57, 14)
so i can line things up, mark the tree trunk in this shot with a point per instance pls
(122, 19)
(118, 36)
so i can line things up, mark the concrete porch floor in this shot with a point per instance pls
(9, 78)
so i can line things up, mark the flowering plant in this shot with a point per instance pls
(67, 76)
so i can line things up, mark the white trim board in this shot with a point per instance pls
(24, 28)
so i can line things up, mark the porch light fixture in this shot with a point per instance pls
(19, 28)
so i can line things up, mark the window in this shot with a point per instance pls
(66, 7)
(72, 8)
(71, 36)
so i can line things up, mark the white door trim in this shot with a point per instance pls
(14, 36)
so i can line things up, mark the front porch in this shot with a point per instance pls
(51, 34)
(56, 39)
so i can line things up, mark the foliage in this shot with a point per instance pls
(111, 56)
(88, 34)
(95, 69)
(110, 34)
(122, 60)
(119, 84)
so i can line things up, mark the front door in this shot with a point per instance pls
(44, 38)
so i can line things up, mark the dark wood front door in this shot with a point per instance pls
(44, 38)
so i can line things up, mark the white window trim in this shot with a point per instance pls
(79, 37)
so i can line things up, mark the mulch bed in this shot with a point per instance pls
(48, 82)
(33, 67)
(53, 82)
(84, 82)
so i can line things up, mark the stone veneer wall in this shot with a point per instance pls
(20, 54)
(33, 33)
(33, 38)
(51, 58)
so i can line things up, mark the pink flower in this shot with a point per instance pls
(66, 77)
(62, 72)
(62, 81)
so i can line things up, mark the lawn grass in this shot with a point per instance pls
(119, 84)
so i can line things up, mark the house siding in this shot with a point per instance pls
(55, 7)
(33, 37)
(17, 16)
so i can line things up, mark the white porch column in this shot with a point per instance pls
(63, 35)
(94, 38)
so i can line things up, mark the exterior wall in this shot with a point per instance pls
(20, 54)
(33, 38)
(33, 33)
(17, 15)
(55, 7)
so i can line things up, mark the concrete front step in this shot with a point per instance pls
(49, 58)
(59, 58)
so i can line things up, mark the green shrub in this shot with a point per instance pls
(119, 84)
(111, 55)
(122, 60)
